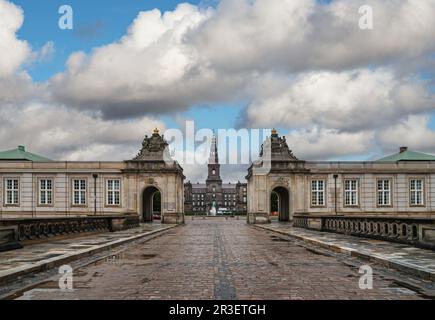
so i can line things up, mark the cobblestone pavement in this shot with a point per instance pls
(415, 259)
(221, 259)
(35, 251)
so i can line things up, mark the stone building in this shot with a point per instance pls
(33, 187)
(392, 198)
(225, 197)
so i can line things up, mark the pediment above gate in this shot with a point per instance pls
(154, 157)
(276, 157)
(276, 148)
(154, 148)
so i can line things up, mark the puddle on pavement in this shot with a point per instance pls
(33, 259)
(278, 239)
(403, 287)
(122, 256)
(47, 286)
(316, 252)
(80, 247)
(145, 280)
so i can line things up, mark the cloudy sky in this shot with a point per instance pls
(303, 66)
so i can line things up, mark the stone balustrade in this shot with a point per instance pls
(43, 228)
(418, 232)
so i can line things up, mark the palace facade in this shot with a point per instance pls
(230, 198)
(32, 186)
(391, 198)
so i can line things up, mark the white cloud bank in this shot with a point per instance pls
(300, 65)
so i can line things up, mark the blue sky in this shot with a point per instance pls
(97, 23)
(100, 22)
(259, 83)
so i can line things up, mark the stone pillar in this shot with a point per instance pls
(173, 218)
(258, 218)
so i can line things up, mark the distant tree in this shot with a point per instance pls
(274, 202)
(157, 202)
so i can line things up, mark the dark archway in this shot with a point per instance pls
(280, 201)
(151, 204)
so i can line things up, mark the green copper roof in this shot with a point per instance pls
(406, 155)
(20, 154)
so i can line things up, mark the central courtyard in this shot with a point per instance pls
(219, 258)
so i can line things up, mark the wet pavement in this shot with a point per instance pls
(417, 261)
(37, 255)
(224, 259)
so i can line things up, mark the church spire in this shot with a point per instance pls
(213, 162)
(214, 158)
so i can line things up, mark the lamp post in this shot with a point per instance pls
(95, 176)
(335, 193)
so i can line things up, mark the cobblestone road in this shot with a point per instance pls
(220, 259)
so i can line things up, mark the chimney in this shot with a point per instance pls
(403, 149)
(22, 148)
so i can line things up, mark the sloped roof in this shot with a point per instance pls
(20, 154)
(199, 186)
(407, 155)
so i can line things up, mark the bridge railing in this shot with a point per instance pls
(414, 231)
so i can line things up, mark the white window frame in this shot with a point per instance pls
(318, 192)
(45, 190)
(80, 191)
(13, 191)
(416, 193)
(351, 192)
(383, 193)
(113, 193)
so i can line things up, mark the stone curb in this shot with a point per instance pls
(44, 265)
(389, 263)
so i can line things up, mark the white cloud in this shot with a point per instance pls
(322, 144)
(13, 52)
(296, 35)
(299, 64)
(46, 52)
(151, 69)
(71, 135)
(413, 132)
(349, 100)
(168, 62)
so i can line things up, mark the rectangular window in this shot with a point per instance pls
(351, 192)
(416, 194)
(318, 192)
(384, 192)
(113, 192)
(45, 192)
(79, 192)
(12, 192)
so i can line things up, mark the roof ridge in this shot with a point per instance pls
(20, 154)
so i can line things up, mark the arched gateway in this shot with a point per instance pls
(153, 171)
(281, 202)
(151, 204)
(272, 174)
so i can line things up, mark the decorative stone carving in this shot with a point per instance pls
(154, 148)
(276, 148)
